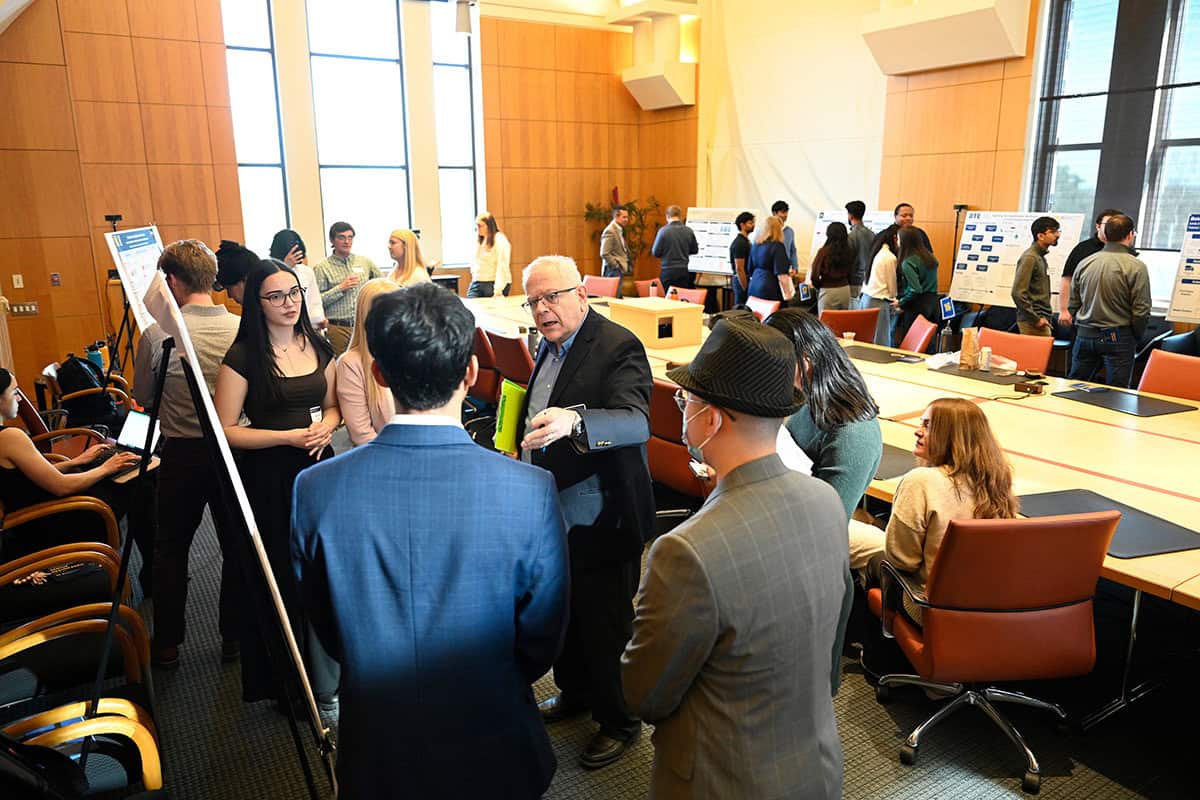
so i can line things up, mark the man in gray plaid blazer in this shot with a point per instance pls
(738, 609)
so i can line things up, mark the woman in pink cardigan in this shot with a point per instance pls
(366, 406)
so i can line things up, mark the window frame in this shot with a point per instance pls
(282, 164)
(406, 168)
(473, 167)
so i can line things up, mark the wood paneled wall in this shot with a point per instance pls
(560, 130)
(119, 106)
(957, 135)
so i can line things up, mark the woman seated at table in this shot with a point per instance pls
(366, 406)
(963, 475)
(838, 426)
(27, 478)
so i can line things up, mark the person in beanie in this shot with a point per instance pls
(737, 612)
(288, 247)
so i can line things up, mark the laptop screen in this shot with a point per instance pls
(133, 433)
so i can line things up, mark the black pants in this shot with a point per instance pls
(675, 276)
(601, 621)
(188, 482)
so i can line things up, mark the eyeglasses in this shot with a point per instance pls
(551, 298)
(682, 399)
(277, 299)
(348, 237)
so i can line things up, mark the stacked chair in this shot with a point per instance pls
(55, 640)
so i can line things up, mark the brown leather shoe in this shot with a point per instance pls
(603, 750)
(165, 657)
(555, 709)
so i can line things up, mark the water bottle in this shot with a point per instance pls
(93, 355)
(533, 339)
(944, 337)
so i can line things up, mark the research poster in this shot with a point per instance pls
(715, 231)
(875, 220)
(1185, 294)
(135, 253)
(992, 242)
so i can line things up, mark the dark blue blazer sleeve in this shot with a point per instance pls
(309, 568)
(541, 613)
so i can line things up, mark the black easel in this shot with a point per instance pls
(140, 489)
(255, 578)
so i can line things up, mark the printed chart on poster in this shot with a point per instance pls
(1185, 293)
(992, 243)
(875, 220)
(714, 229)
(136, 252)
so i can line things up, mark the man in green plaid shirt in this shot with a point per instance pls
(339, 277)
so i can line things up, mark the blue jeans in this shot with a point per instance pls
(1091, 352)
(481, 289)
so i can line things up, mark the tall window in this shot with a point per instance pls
(1119, 119)
(254, 102)
(358, 99)
(1173, 176)
(454, 119)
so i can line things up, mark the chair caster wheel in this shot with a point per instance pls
(1031, 783)
(883, 694)
(908, 754)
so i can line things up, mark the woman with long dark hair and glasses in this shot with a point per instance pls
(280, 374)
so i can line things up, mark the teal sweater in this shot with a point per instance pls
(845, 458)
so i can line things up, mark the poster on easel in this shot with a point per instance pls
(715, 230)
(992, 242)
(1185, 292)
(876, 221)
(135, 253)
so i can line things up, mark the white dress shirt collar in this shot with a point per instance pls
(424, 419)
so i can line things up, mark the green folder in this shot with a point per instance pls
(508, 416)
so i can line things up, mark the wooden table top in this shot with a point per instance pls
(1053, 443)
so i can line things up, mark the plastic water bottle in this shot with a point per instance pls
(93, 355)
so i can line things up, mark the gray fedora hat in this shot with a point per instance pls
(744, 366)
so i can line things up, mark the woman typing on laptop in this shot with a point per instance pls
(26, 478)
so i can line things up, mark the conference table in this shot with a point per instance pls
(1053, 444)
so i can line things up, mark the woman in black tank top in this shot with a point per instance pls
(281, 375)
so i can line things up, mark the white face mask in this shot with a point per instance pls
(10, 407)
(697, 451)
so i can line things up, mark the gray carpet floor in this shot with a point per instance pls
(217, 748)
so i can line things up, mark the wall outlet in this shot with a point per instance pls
(27, 309)
(18, 281)
(56, 279)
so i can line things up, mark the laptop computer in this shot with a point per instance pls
(133, 433)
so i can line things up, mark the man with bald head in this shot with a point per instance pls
(587, 420)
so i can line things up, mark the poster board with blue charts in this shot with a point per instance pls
(992, 242)
(1185, 292)
(135, 253)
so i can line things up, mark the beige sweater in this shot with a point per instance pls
(925, 502)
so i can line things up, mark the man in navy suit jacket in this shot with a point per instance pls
(435, 571)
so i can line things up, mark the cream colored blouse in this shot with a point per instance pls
(491, 264)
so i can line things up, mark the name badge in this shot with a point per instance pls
(314, 413)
